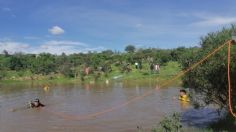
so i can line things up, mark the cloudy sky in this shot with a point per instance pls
(70, 26)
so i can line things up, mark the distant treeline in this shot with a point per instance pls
(73, 64)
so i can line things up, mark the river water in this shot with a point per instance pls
(65, 103)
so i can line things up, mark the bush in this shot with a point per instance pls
(2, 74)
(169, 124)
(210, 78)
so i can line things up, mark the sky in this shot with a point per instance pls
(73, 26)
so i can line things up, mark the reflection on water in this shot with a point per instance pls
(201, 117)
(185, 105)
(75, 100)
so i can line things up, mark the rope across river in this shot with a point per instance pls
(165, 83)
(229, 82)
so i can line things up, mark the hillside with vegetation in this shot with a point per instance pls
(132, 64)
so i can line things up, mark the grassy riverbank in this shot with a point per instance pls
(167, 71)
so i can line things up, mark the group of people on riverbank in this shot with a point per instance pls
(155, 68)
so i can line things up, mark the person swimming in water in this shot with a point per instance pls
(35, 104)
(31, 104)
(183, 95)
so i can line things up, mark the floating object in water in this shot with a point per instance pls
(117, 77)
(107, 81)
(91, 82)
(201, 117)
(12, 110)
(46, 88)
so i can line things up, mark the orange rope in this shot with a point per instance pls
(229, 83)
(180, 74)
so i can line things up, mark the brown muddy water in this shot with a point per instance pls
(64, 103)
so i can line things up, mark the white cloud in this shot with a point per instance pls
(53, 47)
(56, 30)
(6, 9)
(64, 43)
(216, 21)
(5, 39)
(138, 25)
(31, 37)
(68, 47)
(208, 19)
(58, 47)
(97, 49)
(13, 47)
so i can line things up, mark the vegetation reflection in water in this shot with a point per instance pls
(77, 99)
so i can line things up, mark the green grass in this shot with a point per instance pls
(167, 71)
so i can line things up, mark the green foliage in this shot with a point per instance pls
(44, 64)
(210, 78)
(130, 48)
(2, 74)
(169, 124)
(172, 124)
(102, 65)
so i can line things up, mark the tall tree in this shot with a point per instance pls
(210, 78)
(130, 48)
